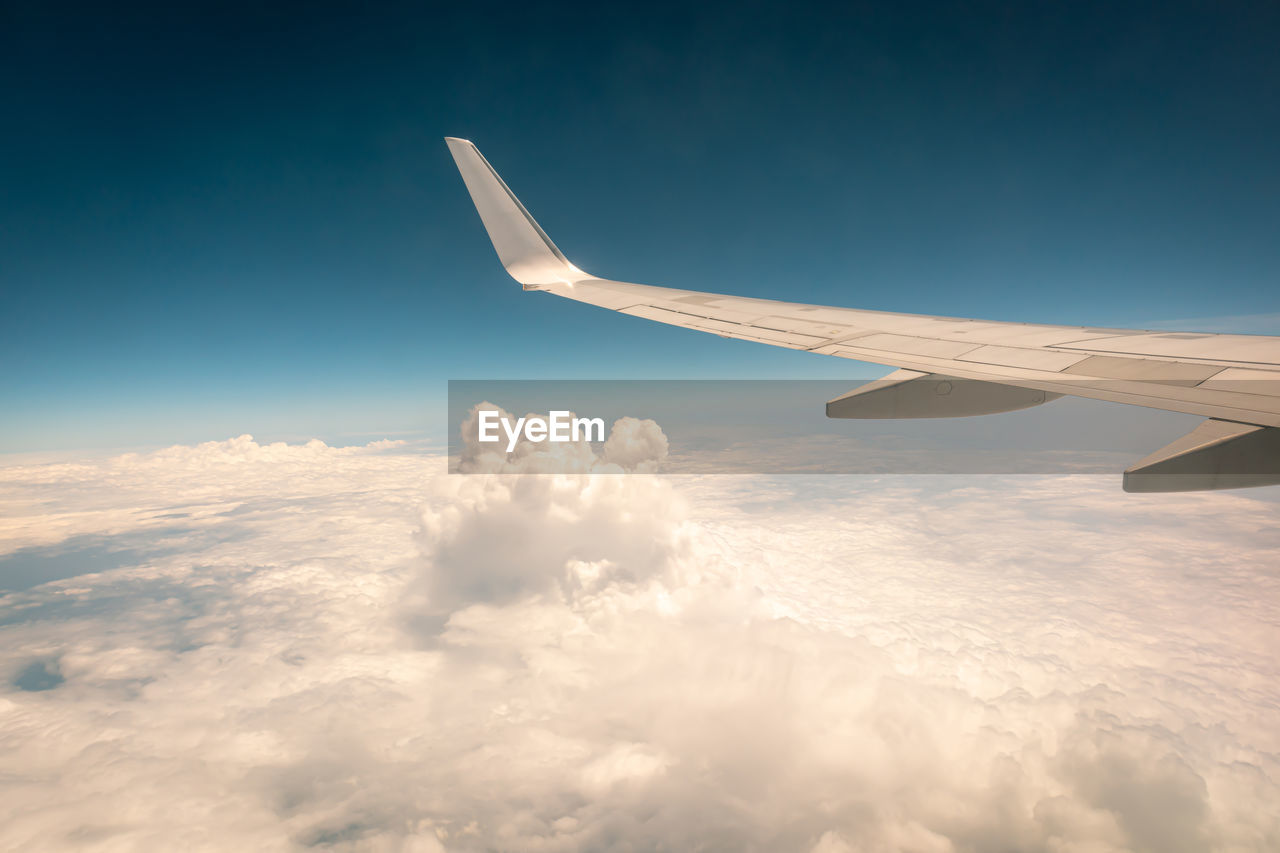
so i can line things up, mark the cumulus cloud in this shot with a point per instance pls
(351, 649)
(500, 540)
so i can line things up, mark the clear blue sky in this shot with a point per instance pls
(219, 219)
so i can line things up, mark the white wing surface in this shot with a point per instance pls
(953, 366)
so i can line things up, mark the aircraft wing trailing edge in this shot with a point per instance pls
(949, 366)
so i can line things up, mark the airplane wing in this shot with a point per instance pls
(951, 366)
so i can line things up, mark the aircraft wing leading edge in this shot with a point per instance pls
(951, 366)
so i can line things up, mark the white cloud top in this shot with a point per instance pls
(300, 645)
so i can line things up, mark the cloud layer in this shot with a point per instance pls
(349, 648)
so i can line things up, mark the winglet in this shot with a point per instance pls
(523, 247)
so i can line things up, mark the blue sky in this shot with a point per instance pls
(240, 220)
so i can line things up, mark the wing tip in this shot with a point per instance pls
(523, 247)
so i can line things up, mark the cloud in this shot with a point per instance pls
(635, 444)
(499, 540)
(352, 649)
